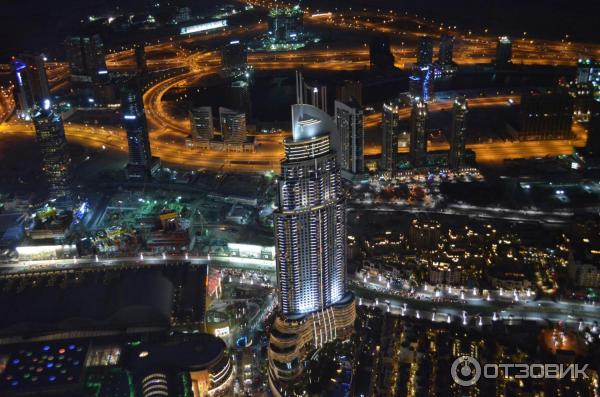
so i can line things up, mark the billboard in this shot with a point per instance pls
(203, 27)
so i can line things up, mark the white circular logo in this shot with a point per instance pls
(465, 371)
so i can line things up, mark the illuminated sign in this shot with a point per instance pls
(204, 27)
(221, 332)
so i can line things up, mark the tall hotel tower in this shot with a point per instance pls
(50, 135)
(310, 238)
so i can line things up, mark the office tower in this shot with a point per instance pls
(50, 136)
(546, 115)
(86, 56)
(239, 92)
(233, 125)
(201, 119)
(380, 54)
(458, 133)
(286, 25)
(310, 239)
(446, 50)
(503, 51)
(31, 83)
(390, 130)
(234, 56)
(349, 122)
(350, 90)
(312, 94)
(425, 51)
(141, 64)
(420, 83)
(141, 163)
(418, 133)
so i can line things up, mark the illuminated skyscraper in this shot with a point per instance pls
(420, 83)
(418, 133)
(425, 51)
(201, 119)
(458, 133)
(310, 242)
(50, 136)
(141, 163)
(390, 131)
(311, 94)
(233, 125)
(31, 83)
(503, 51)
(349, 121)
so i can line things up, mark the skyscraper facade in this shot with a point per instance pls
(141, 63)
(420, 83)
(201, 119)
(31, 86)
(425, 51)
(350, 90)
(310, 242)
(240, 98)
(86, 56)
(312, 94)
(50, 136)
(233, 125)
(458, 133)
(234, 57)
(445, 54)
(546, 115)
(503, 51)
(380, 54)
(141, 163)
(418, 133)
(349, 122)
(390, 131)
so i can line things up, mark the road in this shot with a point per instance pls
(467, 310)
(167, 133)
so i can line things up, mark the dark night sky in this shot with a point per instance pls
(40, 24)
(36, 24)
